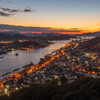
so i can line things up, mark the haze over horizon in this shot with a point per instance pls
(64, 16)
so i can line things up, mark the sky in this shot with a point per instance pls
(67, 15)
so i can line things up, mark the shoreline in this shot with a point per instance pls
(46, 54)
(40, 58)
(2, 52)
(59, 63)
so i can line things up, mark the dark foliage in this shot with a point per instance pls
(85, 89)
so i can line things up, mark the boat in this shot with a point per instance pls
(1, 57)
(17, 54)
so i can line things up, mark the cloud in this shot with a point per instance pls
(9, 1)
(5, 14)
(8, 12)
(28, 10)
(28, 7)
(17, 10)
(35, 29)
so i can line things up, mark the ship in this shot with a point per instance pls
(1, 57)
(17, 54)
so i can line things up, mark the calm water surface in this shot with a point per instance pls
(10, 61)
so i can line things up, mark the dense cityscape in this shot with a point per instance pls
(78, 59)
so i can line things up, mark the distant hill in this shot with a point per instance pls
(11, 32)
(12, 37)
(58, 37)
(97, 34)
(43, 36)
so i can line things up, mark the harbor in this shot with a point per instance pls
(69, 61)
(10, 61)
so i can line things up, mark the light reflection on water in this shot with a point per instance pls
(10, 61)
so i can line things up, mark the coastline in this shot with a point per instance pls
(63, 62)
(45, 44)
(41, 59)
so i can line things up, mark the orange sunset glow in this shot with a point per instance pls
(80, 18)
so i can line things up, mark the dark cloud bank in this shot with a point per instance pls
(35, 29)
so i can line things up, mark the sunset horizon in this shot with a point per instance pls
(51, 29)
(72, 15)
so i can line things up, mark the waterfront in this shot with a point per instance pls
(10, 61)
(71, 61)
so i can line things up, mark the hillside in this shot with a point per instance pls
(81, 89)
(53, 36)
(92, 45)
(12, 37)
(97, 34)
